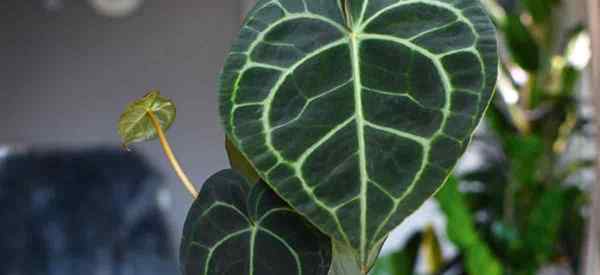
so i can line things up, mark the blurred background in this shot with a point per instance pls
(522, 200)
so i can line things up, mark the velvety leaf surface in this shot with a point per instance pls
(355, 118)
(135, 124)
(232, 230)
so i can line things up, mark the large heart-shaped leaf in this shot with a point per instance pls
(231, 231)
(356, 111)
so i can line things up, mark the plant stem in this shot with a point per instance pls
(169, 153)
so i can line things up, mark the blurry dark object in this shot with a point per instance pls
(91, 212)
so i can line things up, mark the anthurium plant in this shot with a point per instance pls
(342, 118)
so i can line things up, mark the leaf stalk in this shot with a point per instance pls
(171, 156)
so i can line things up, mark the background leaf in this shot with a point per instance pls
(540, 10)
(523, 47)
(544, 223)
(462, 232)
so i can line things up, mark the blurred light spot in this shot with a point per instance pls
(164, 199)
(115, 8)
(558, 62)
(482, 216)
(471, 160)
(53, 5)
(507, 90)
(4, 151)
(526, 19)
(471, 187)
(519, 75)
(579, 50)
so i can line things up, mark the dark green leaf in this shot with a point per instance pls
(524, 152)
(461, 231)
(540, 10)
(568, 79)
(239, 163)
(524, 49)
(544, 224)
(232, 231)
(357, 123)
(135, 124)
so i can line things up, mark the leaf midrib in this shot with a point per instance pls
(358, 110)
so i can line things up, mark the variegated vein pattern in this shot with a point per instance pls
(355, 118)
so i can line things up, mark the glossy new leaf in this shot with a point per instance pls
(135, 125)
(355, 111)
(231, 230)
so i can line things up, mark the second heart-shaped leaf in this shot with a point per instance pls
(231, 230)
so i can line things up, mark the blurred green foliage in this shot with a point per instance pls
(521, 209)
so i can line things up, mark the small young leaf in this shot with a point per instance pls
(135, 124)
(236, 229)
